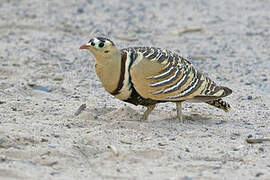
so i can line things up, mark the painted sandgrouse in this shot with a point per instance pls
(148, 75)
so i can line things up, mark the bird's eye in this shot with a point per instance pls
(106, 51)
(101, 45)
(92, 44)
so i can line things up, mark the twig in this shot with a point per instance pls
(258, 140)
(201, 57)
(41, 88)
(125, 142)
(114, 150)
(80, 109)
(161, 144)
(51, 163)
(125, 38)
(182, 31)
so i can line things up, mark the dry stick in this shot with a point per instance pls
(201, 57)
(114, 150)
(125, 142)
(182, 31)
(80, 109)
(41, 88)
(259, 140)
(125, 38)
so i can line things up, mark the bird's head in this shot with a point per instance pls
(101, 47)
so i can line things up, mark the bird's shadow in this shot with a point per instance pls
(126, 113)
(191, 119)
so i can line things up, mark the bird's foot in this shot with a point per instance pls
(143, 118)
(181, 119)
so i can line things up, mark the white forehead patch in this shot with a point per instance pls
(97, 42)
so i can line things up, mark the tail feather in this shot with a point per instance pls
(219, 103)
(227, 91)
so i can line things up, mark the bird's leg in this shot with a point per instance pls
(179, 111)
(149, 109)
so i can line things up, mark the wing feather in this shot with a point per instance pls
(165, 76)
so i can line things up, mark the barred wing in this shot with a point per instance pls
(162, 75)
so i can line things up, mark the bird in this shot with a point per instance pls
(149, 75)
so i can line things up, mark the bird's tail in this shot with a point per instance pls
(219, 103)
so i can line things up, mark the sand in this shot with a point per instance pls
(45, 78)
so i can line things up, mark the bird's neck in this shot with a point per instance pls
(108, 71)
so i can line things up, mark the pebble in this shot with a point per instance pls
(44, 140)
(259, 174)
(54, 173)
(80, 10)
(233, 138)
(187, 178)
(249, 97)
(3, 158)
(236, 149)
(1, 141)
(161, 144)
(220, 122)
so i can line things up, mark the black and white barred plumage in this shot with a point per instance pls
(149, 75)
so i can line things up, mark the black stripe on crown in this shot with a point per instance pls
(102, 39)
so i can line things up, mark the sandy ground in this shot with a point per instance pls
(40, 138)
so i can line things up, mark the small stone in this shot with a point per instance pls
(236, 134)
(259, 174)
(233, 138)
(80, 10)
(220, 122)
(187, 178)
(161, 144)
(261, 149)
(3, 158)
(44, 140)
(249, 97)
(54, 173)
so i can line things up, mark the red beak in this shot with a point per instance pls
(84, 46)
